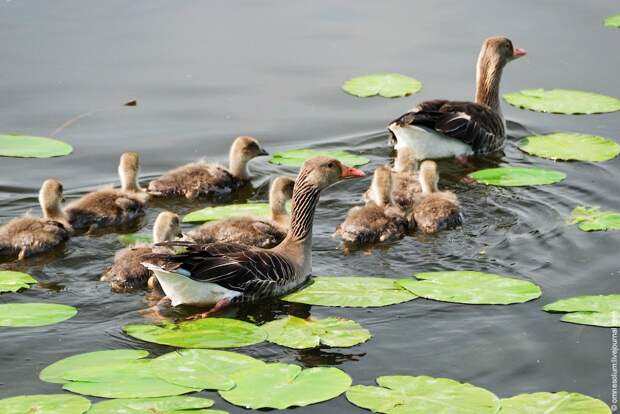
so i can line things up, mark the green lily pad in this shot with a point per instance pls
(400, 394)
(163, 405)
(597, 310)
(22, 146)
(570, 146)
(13, 281)
(388, 85)
(592, 219)
(284, 385)
(296, 157)
(553, 403)
(202, 368)
(227, 211)
(135, 238)
(517, 176)
(44, 404)
(351, 291)
(34, 314)
(475, 288)
(563, 101)
(203, 333)
(613, 21)
(294, 332)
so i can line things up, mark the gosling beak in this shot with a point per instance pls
(262, 152)
(519, 53)
(350, 172)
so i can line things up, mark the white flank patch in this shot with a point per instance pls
(427, 143)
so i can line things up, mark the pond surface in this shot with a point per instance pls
(205, 72)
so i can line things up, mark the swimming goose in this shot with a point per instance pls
(253, 231)
(111, 206)
(405, 179)
(436, 210)
(379, 220)
(126, 272)
(29, 235)
(442, 128)
(200, 179)
(222, 273)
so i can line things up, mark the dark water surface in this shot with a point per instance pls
(206, 71)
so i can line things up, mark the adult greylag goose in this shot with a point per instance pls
(436, 210)
(379, 220)
(442, 128)
(405, 178)
(127, 272)
(253, 231)
(29, 235)
(200, 179)
(223, 273)
(112, 206)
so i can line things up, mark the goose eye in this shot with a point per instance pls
(330, 165)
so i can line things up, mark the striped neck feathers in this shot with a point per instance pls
(305, 199)
(488, 77)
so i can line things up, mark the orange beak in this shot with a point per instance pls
(350, 172)
(519, 53)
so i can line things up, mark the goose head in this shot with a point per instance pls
(166, 227)
(429, 177)
(405, 159)
(243, 149)
(50, 199)
(381, 186)
(128, 171)
(280, 192)
(321, 172)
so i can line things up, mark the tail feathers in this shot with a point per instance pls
(157, 268)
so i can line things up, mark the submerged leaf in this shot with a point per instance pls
(563, 101)
(517, 176)
(553, 403)
(231, 210)
(597, 310)
(22, 146)
(570, 146)
(592, 219)
(135, 238)
(388, 85)
(162, 405)
(296, 157)
(11, 281)
(613, 21)
(34, 314)
(44, 404)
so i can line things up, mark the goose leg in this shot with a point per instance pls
(221, 304)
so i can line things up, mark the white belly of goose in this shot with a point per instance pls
(427, 143)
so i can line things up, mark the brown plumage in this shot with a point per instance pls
(200, 179)
(252, 231)
(405, 180)
(30, 235)
(111, 207)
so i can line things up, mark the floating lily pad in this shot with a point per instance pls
(13, 281)
(34, 314)
(475, 288)
(202, 368)
(613, 21)
(296, 157)
(592, 219)
(164, 405)
(135, 238)
(563, 101)
(284, 385)
(294, 332)
(231, 210)
(203, 333)
(399, 394)
(44, 404)
(553, 403)
(597, 310)
(570, 146)
(517, 176)
(388, 85)
(23, 146)
(351, 291)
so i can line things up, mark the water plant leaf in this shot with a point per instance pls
(613, 21)
(11, 281)
(203, 333)
(400, 394)
(553, 403)
(563, 101)
(517, 176)
(34, 314)
(135, 238)
(475, 288)
(298, 333)
(388, 85)
(202, 368)
(296, 157)
(44, 404)
(597, 310)
(22, 146)
(570, 146)
(231, 210)
(285, 385)
(593, 219)
(162, 405)
(351, 291)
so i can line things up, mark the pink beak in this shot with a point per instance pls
(519, 52)
(350, 172)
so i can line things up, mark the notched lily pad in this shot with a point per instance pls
(563, 101)
(44, 404)
(135, 238)
(294, 332)
(231, 210)
(163, 405)
(613, 21)
(553, 403)
(474, 288)
(399, 394)
(203, 333)
(597, 310)
(296, 157)
(570, 146)
(23, 146)
(351, 291)
(517, 176)
(281, 386)
(34, 314)
(593, 219)
(11, 281)
(388, 85)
